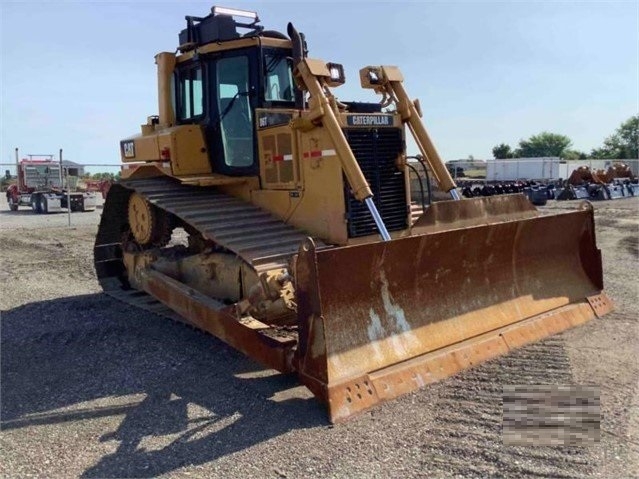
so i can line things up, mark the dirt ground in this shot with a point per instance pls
(92, 387)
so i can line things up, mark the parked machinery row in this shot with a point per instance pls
(598, 191)
(617, 181)
(540, 193)
(537, 193)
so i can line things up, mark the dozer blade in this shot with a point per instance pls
(484, 276)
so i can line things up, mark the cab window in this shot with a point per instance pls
(278, 77)
(191, 97)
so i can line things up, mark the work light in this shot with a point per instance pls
(234, 12)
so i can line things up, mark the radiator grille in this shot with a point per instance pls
(376, 150)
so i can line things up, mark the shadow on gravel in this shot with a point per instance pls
(194, 404)
(24, 211)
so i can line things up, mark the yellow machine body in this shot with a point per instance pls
(286, 262)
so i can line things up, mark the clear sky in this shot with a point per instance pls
(81, 75)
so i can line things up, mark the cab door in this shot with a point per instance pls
(231, 126)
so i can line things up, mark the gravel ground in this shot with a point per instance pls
(92, 387)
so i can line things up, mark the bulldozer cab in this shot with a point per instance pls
(221, 90)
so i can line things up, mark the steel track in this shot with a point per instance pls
(260, 239)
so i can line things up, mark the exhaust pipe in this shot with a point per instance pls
(166, 64)
(298, 55)
(18, 176)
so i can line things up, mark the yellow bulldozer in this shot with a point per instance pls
(298, 246)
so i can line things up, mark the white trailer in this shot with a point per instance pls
(513, 169)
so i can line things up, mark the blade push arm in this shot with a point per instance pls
(388, 81)
(314, 77)
(311, 73)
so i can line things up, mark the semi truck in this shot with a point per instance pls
(40, 186)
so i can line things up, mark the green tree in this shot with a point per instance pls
(502, 151)
(622, 144)
(574, 155)
(543, 144)
(5, 182)
(103, 176)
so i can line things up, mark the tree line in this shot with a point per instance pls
(103, 176)
(622, 144)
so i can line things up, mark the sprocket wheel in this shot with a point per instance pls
(150, 226)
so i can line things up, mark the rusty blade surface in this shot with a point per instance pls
(366, 310)
(446, 215)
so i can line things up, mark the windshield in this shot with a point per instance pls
(42, 175)
(278, 77)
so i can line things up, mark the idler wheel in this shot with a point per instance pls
(149, 225)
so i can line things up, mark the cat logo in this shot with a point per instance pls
(128, 148)
(369, 120)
